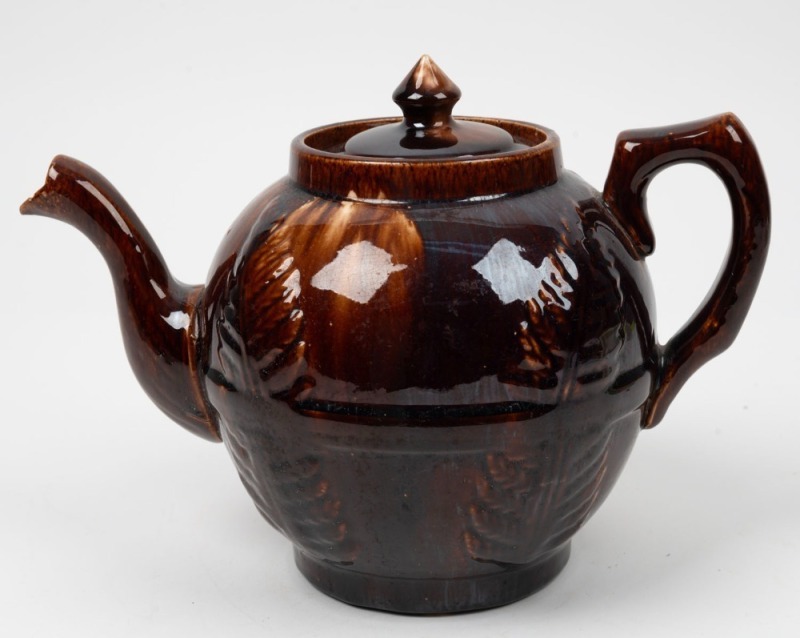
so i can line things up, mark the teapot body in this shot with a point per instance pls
(429, 349)
(429, 393)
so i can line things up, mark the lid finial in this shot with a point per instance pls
(426, 95)
(428, 130)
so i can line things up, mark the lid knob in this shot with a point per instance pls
(427, 96)
(428, 131)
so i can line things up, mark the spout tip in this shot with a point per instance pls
(28, 207)
(40, 203)
(35, 205)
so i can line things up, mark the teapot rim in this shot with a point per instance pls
(318, 163)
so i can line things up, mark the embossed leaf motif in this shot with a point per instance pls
(530, 502)
(514, 278)
(316, 509)
(272, 312)
(357, 272)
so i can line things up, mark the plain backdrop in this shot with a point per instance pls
(116, 522)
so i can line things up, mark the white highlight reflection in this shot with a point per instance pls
(358, 272)
(513, 278)
(178, 320)
(291, 287)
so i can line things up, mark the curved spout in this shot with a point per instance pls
(161, 318)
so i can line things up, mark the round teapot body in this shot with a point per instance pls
(429, 397)
(429, 350)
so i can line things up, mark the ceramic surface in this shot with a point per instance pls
(429, 370)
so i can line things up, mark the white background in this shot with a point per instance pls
(115, 522)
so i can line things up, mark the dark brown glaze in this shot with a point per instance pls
(318, 163)
(722, 144)
(427, 97)
(428, 429)
(429, 372)
(157, 313)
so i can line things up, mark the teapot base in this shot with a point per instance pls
(432, 595)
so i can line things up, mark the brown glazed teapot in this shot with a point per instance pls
(430, 348)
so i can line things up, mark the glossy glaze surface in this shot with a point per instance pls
(319, 164)
(722, 144)
(157, 313)
(428, 373)
(429, 392)
(428, 130)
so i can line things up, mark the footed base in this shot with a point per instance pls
(436, 595)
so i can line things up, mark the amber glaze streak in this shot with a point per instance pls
(428, 392)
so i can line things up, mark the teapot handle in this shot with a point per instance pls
(722, 144)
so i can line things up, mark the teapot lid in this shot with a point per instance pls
(427, 155)
(427, 97)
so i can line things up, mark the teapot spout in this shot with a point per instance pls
(161, 318)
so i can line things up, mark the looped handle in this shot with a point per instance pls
(722, 144)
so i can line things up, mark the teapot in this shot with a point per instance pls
(430, 348)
